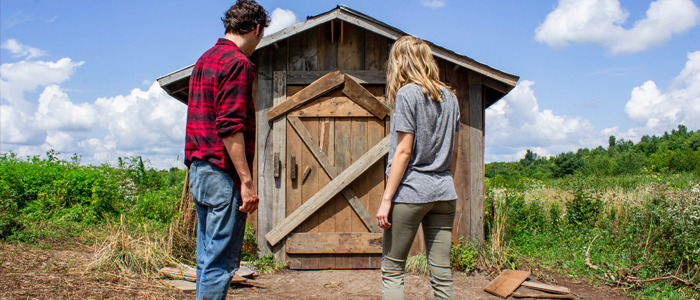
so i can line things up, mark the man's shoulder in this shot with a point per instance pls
(226, 55)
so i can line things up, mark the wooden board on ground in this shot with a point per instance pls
(546, 287)
(506, 283)
(183, 285)
(191, 275)
(542, 296)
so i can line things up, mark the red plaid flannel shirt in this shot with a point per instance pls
(220, 104)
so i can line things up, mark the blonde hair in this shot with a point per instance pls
(410, 61)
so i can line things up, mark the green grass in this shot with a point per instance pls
(644, 225)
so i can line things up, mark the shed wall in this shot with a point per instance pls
(327, 47)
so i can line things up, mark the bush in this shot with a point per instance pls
(462, 256)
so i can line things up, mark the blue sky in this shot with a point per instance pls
(78, 76)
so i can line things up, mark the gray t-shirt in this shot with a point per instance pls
(433, 123)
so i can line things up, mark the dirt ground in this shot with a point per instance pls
(58, 272)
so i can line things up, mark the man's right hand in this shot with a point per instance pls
(250, 198)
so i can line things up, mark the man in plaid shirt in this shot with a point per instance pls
(220, 145)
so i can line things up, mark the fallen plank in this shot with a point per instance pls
(191, 275)
(176, 273)
(182, 285)
(541, 296)
(506, 283)
(546, 287)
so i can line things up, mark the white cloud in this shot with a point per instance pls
(281, 18)
(25, 76)
(20, 50)
(144, 122)
(150, 121)
(433, 3)
(600, 22)
(516, 123)
(657, 111)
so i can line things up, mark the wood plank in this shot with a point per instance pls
(506, 282)
(185, 286)
(546, 287)
(327, 192)
(331, 107)
(375, 175)
(264, 151)
(351, 51)
(327, 51)
(376, 51)
(319, 87)
(293, 200)
(358, 148)
(334, 242)
(309, 188)
(361, 76)
(542, 296)
(364, 98)
(303, 51)
(327, 212)
(279, 145)
(456, 79)
(332, 172)
(476, 162)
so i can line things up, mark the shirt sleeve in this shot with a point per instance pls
(458, 115)
(404, 113)
(231, 99)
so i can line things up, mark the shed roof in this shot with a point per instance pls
(496, 79)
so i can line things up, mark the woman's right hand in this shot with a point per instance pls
(383, 215)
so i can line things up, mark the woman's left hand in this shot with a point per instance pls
(383, 215)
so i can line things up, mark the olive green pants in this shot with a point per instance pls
(436, 218)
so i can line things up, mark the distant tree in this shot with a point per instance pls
(611, 142)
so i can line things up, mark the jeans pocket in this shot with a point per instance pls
(211, 188)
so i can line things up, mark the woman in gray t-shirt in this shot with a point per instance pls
(419, 189)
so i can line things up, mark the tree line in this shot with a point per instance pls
(675, 152)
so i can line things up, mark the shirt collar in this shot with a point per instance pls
(223, 41)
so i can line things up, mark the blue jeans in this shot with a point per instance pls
(220, 228)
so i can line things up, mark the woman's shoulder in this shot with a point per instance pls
(409, 88)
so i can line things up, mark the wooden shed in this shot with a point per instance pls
(322, 127)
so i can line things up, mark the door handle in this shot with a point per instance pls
(293, 166)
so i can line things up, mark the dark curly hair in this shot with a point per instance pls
(243, 16)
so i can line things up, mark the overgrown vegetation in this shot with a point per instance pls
(130, 206)
(627, 216)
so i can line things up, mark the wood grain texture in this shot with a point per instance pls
(264, 153)
(506, 282)
(319, 87)
(351, 54)
(373, 77)
(364, 98)
(279, 145)
(327, 192)
(334, 242)
(309, 188)
(456, 79)
(546, 287)
(327, 47)
(331, 107)
(332, 172)
(476, 162)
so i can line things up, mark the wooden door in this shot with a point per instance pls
(331, 135)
